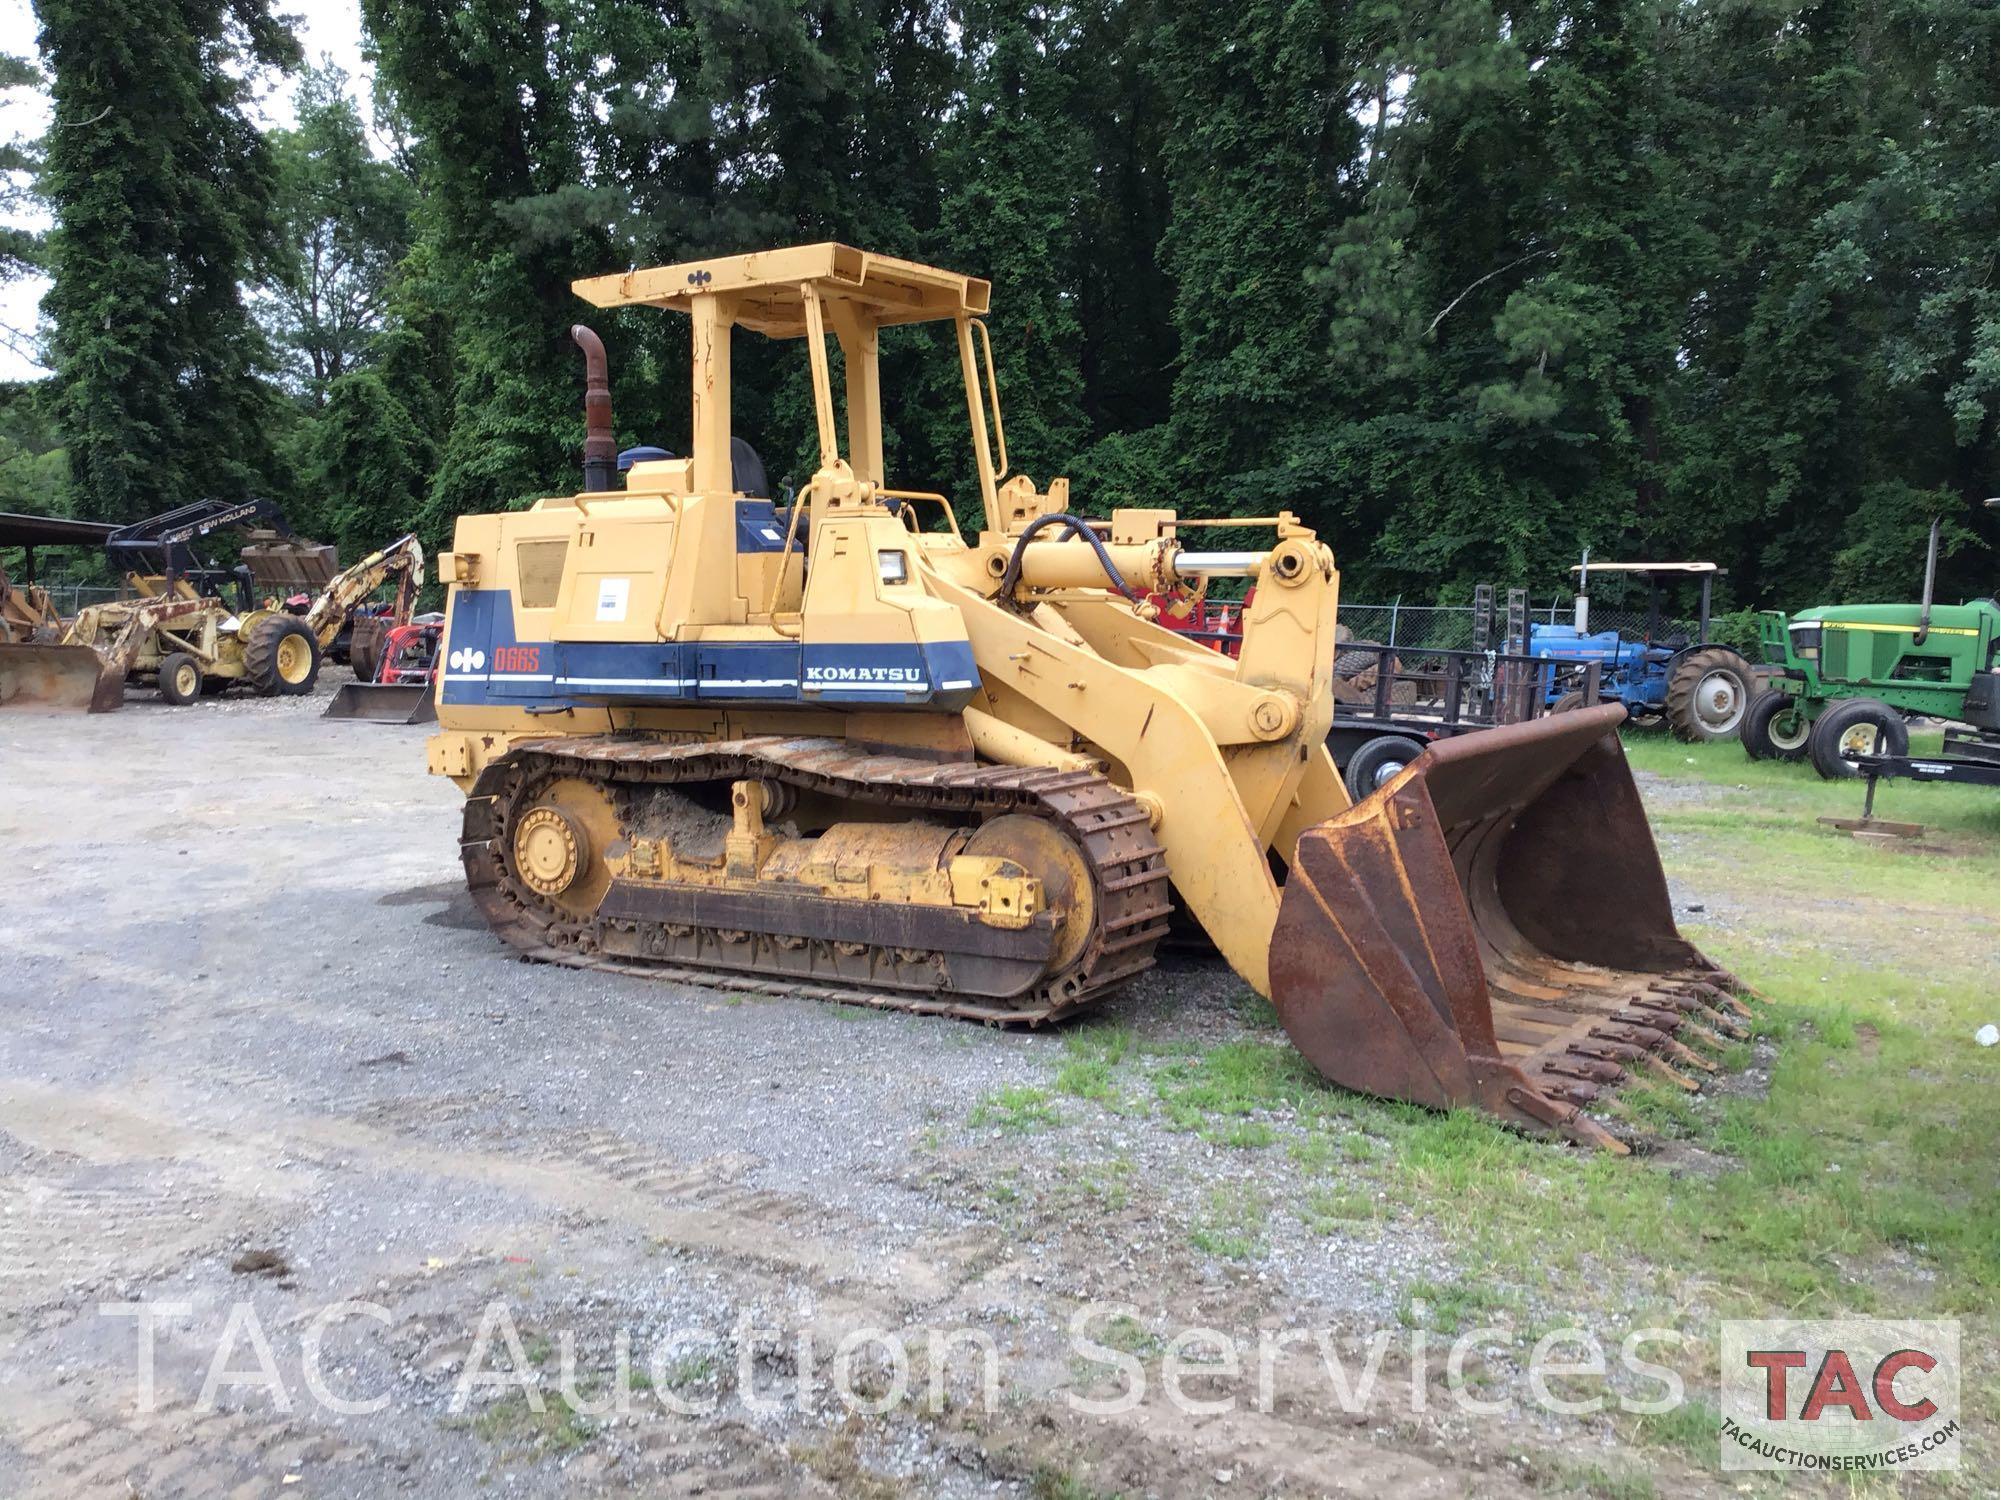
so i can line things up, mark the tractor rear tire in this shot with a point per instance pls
(1574, 699)
(180, 678)
(1855, 727)
(1708, 694)
(1376, 761)
(280, 657)
(1775, 727)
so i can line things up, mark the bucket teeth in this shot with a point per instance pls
(1662, 1070)
(1591, 1070)
(1606, 1051)
(1688, 1057)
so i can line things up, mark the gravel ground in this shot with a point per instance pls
(260, 1058)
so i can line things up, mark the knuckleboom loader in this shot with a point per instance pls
(836, 748)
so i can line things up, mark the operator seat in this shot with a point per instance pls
(747, 475)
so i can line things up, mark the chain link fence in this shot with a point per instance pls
(67, 598)
(1450, 627)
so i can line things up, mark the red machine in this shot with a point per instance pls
(1217, 623)
(410, 653)
(405, 666)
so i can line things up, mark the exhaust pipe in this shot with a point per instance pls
(1925, 604)
(600, 446)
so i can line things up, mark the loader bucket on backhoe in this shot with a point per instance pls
(73, 678)
(385, 703)
(1493, 929)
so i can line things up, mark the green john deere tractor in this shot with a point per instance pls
(1851, 674)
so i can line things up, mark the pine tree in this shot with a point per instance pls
(161, 190)
(1017, 176)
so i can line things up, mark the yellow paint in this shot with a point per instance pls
(1879, 629)
(1227, 757)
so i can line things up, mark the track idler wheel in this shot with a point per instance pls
(557, 844)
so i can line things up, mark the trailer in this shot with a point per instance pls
(1392, 701)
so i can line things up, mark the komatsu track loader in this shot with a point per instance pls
(836, 748)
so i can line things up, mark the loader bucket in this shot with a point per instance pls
(72, 678)
(384, 703)
(1492, 929)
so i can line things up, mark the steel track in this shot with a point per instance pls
(1127, 867)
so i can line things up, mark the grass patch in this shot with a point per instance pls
(1796, 792)
(1090, 1057)
(696, 1367)
(1237, 1078)
(1019, 1110)
(1127, 1334)
(1452, 1307)
(1328, 1210)
(512, 1423)
(1690, 1429)
(1051, 1483)
(1232, 1223)
(1854, 1175)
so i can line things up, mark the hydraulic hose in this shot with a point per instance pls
(1011, 579)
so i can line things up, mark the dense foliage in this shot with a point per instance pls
(162, 190)
(1470, 284)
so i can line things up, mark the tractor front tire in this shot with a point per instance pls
(180, 678)
(1708, 694)
(1776, 727)
(280, 656)
(1857, 726)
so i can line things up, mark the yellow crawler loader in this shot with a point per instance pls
(837, 748)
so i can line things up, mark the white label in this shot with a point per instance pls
(612, 594)
(771, 535)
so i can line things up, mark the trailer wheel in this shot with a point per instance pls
(280, 656)
(180, 678)
(1775, 727)
(1851, 728)
(1708, 693)
(1376, 761)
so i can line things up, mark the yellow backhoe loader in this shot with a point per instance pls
(189, 643)
(836, 748)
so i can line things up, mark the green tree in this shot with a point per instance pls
(344, 221)
(1842, 357)
(162, 192)
(1258, 164)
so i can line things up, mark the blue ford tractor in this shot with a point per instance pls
(1701, 688)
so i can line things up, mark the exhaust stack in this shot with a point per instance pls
(600, 446)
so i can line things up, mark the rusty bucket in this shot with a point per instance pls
(71, 678)
(1492, 929)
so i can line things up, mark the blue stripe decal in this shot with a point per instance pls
(485, 666)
